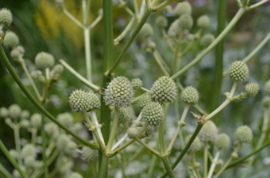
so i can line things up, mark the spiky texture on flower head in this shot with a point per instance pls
(161, 21)
(183, 8)
(267, 87)
(119, 92)
(266, 101)
(132, 132)
(44, 60)
(190, 95)
(5, 17)
(66, 119)
(146, 31)
(3, 112)
(209, 132)
(15, 53)
(185, 21)
(80, 100)
(174, 29)
(29, 161)
(89, 154)
(14, 111)
(222, 141)
(203, 21)
(144, 100)
(238, 71)
(28, 150)
(36, 120)
(153, 114)
(164, 90)
(243, 134)
(196, 144)
(11, 40)
(252, 89)
(62, 142)
(51, 128)
(25, 114)
(75, 175)
(124, 115)
(136, 83)
(207, 40)
(58, 68)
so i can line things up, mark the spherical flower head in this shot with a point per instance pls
(183, 8)
(5, 17)
(11, 40)
(190, 95)
(36, 120)
(20, 49)
(238, 71)
(25, 114)
(203, 21)
(29, 150)
(136, 83)
(174, 29)
(164, 90)
(66, 119)
(44, 60)
(14, 154)
(144, 100)
(266, 101)
(35, 74)
(4, 112)
(29, 161)
(252, 89)
(222, 141)
(51, 128)
(132, 132)
(119, 92)
(80, 100)
(209, 132)
(89, 154)
(77, 126)
(196, 144)
(124, 115)
(153, 114)
(267, 88)
(146, 31)
(161, 22)
(243, 134)
(71, 147)
(185, 22)
(207, 40)
(58, 68)
(62, 142)
(75, 175)
(25, 123)
(14, 111)
(190, 37)
(15, 53)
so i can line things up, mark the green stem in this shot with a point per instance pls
(257, 4)
(114, 129)
(167, 166)
(148, 147)
(16, 129)
(160, 62)
(104, 166)
(152, 167)
(5, 172)
(213, 165)
(125, 31)
(44, 156)
(72, 18)
(205, 160)
(176, 52)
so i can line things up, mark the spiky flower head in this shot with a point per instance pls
(80, 100)
(5, 17)
(164, 90)
(29, 150)
(65, 118)
(252, 89)
(266, 101)
(161, 22)
(11, 40)
(190, 95)
(123, 115)
(132, 132)
(75, 175)
(44, 60)
(36, 120)
(89, 154)
(136, 83)
(203, 21)
(183, 8)
(153, 114)
(267, 88)
(185, 21)
(174, 29)
(3, 112)
(29, 161)
(25, 114)
(243, 134)
(196, 144)
(119, 92)
(209, 132)
(62, 142)
(144, 100)
(14, 111)
(207, 40)
(51, 128)
(222, 141)
(238, 71)
(58, 68)
(146, 31)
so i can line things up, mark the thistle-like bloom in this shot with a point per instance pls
(89, 154)
(51, 128)
(190, 95)
(207, 40)
(36, 120)
(153, 114)
(183, 8)
(238, 71)
(203, 21)
(185, 21)
(5, 17)
(29, 161)
(243, 134)
(25, 114)
(209, 132)
(11, 40)
(144, 100)
(196, 144)
(15, 53)
(44, 60)
(222, 141)
(252, 89)
(119, 92)
(161, 21)
(136, 83)
(146, 31)
(123, 115)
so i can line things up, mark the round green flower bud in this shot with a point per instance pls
(153, 114)
(243, 134)
(203, 21)
(80, 100)
(44, 60)
(266, 101)
(77, 126)
(119, 92)
(190, 95)
(185, 22)
(20, 49)
(58, 68)
(209, 132)
(132, 132)
(161, 22)
(3, 112)
(234, 155)
(62, 142)
(25, 123)
(252, 89)
(36, 74)
(25, 114)
(75, 175)
(89, 154)
(164, 90)
(66, 119)
(183, 8)
(11, 40)
(174, 29)
(51, 128)
(144, 100)
(222, 141)
(207, 40)
(14, 111)
(123, 116)
(267, 88)
(190, 37)
(5, 17)
(28, 150)
(15, 53)
(196, 144)
(136, 83)
(238, 71)
(36, 120)
(146, 31)
(29, 161)
(14, 154)
(71, 147)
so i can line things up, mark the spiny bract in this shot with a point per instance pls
(252, 89)
(153, 114)
(238, 71)
(5, 17)
(190, 95)
(222, 141)
(89, 154)
(243, 134)
(209, 132)
(44, 60)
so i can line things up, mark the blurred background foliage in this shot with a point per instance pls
(41, 26)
